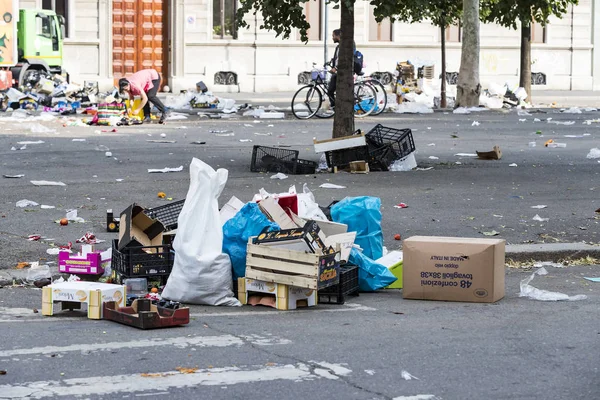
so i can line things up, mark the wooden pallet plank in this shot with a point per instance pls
(283, 266)
(285, 254)
(298, 281)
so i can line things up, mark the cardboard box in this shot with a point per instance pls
(138, 229)
(453, 269)
(271, 208)
(71, 294)
(340, 143)
(286, 297)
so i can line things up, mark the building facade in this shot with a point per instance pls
(192, 40)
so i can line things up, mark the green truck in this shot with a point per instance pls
(38, 50)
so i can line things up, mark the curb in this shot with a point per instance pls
(554, 252)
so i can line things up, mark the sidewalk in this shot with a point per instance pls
(562, 98)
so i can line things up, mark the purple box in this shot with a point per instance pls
(89, 264)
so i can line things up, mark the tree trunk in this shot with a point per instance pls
(469, 89)
(443, 103)
(525, 81)
(343, 122)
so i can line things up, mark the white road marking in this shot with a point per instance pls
(180, 342)
(418, 397)
(91, 386)
(29, 316)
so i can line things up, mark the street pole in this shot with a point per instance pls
(325, 30)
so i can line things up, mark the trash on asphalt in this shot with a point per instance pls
(593, 154)
(495, 154)
(513, 165)
(13, 176)
(331, 186)
(26, 203)
(556, 145)
(48, 183)
(592, 279)
(540, 219)
(279, 176)
(544, 295)
(165, 170)
(433, 269)
(540, 206)
(407, 376)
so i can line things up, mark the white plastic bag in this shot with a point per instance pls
(308, 207)
(201, 272)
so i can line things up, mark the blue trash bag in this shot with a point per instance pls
(248, 222)
(363, 216)
(371, 276)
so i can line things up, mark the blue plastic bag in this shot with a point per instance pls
(248, 222)
(371, 276)
(363, 216)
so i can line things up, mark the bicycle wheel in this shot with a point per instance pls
(364, 99)
(306, 102)
(381, 96)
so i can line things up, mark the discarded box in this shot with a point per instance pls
(294, 268)
(453, 269)
(138, 229)
(347, 142)
(143, 314)
(393, 261)
(88, 262)
(348, 285)
(286, 297)
(72, 294)
(300, 239)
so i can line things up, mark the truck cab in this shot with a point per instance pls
(40, 35)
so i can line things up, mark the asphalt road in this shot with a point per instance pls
(450, 199)
(518, 348)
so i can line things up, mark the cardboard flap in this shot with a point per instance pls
(276, 213)
(138, 229)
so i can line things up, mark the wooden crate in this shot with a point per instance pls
(294, 268)
(286, 297)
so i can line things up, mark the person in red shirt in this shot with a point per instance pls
(144, 83)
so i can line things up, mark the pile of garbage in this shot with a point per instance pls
(201, 100)
(51, 94)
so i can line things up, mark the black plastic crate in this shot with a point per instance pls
(348, 285)
(167, 214)
(142, 261)
(380, 158)
(306, 167)
(273, 159)
(401, 140)
(342, 158)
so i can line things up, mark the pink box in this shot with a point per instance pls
(90, 264)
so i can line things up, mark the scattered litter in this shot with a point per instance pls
(407, 377)
(272, 115)
(225, 134)
(465, 155)
(72, 217)
(531, 144)
(198, 142)
(102, 147)
(544, 295)
(537, 120)
(491, 233)
(513, 165)
(369, 372)
(26, 203)
(45, 207)
(53, 251)
(465, 110)
(549, 264)
(475, 123)
(161, 141)
(263, 134)
(555, 145)
(38, 128)
(245, 140)
(572, 110)
(89, 238)
(562, 122)
(14, 176)
(431, 144)
(34, 238)
(413, 108)
(424, 169)
(163, 135)
(401, 205)
(548, 142)
(165, 170)
(522, 113)
(593, 279)
(433, 158)
(280, 176)
(540, 219)
(458, 163)
(594, 153)
(495, 154)
(397, 236)
(37, 271)
(523, 120)
(404, 164)
(332, 186)
(119, 180)
(249, 125)
(539, 207)
(31, 142)
(78, 140)
(47, 183)
(108, 154)
(176, 116)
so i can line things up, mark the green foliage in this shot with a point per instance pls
(510, 13)
(440, 12)
(280, 16)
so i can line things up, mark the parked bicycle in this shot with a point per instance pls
(308, 100)
(380, 93)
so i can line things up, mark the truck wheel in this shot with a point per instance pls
(29, 74)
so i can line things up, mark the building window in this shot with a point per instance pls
(538, 33)
(454, 33)
(379, 32)
(224, 26)
(312, 13)
(61, 8)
